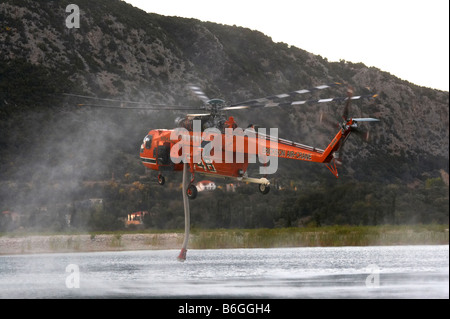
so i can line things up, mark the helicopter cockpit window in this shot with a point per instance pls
(148, 141)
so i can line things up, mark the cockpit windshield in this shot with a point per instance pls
(148, 141)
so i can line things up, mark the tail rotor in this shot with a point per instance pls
(348, 125)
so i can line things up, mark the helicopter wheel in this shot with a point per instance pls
(264, 189)
(161, 180)
(191, 191)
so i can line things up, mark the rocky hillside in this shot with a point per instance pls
(122, 52)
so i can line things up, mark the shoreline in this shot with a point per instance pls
(17, 244)
(43, 244)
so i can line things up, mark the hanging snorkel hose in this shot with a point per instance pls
(186, 182)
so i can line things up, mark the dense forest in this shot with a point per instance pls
(65, 167)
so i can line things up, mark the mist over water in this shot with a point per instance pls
(58, 151)
(319, 272)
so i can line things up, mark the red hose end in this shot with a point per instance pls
(182, 255)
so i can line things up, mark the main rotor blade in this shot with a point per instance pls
(103, 99)
(158, 108)
(365, 119)
(314, 101)
(200, 94)
(141, 104)
(237, 107)
(285, 95)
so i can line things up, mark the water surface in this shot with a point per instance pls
(317, 272)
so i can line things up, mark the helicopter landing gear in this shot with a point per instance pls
(264, 188)
(161, 180)
(191, 191)
(263, 183)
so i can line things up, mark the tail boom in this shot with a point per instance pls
(291, 150)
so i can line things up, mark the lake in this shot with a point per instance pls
(283, 273)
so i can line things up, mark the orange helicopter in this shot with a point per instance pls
(213, 144)
(161, 149)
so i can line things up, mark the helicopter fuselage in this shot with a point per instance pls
(228, 153)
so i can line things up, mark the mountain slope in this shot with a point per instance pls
(125, 52)
(122, 52)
